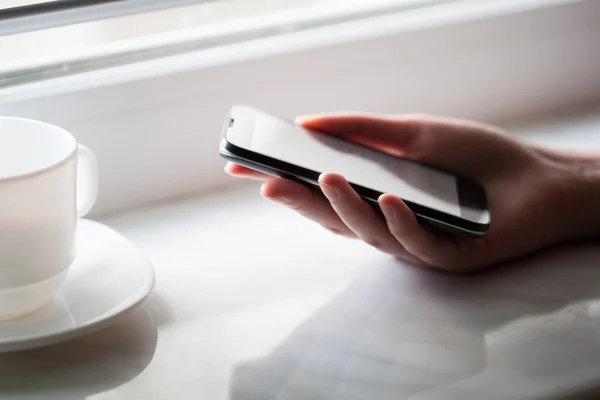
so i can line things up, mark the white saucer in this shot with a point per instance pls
(109, 276)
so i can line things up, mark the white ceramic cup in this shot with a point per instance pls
(47, 182)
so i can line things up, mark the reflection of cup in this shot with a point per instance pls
(47, 182)
(53, 317)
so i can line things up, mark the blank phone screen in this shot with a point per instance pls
(285, 141)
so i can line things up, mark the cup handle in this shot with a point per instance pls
(87, 180)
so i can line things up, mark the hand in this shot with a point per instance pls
(536, 195)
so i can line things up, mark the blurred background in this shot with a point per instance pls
(49, 38)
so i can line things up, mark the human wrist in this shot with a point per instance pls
(581, 174)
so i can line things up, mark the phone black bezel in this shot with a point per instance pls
(282, 169)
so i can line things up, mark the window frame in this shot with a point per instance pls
(155, 125)
(39, 16)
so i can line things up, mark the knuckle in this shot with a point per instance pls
(298, 207)
(421, 145)
(456, 266)
(422, 138)
(376, 243)
(346, 215)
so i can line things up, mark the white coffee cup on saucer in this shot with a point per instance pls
(47, 182)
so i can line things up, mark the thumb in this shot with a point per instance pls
(464, 147)
(369, 130)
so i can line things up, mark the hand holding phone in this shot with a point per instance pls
(281, 148)
(529, 197)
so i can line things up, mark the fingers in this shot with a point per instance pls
(306, 202)
(436, 250)
(343, 212)
(359, 216)
(465, 147)
(295, 196)
(242, 172)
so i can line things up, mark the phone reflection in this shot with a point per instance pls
(53, 317)
(407, 333)
(83, 367)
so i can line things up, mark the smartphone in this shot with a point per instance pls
(280, 148)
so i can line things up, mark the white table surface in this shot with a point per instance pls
(253, 302)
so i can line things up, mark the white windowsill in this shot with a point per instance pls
(155, 126)
(242, 285)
